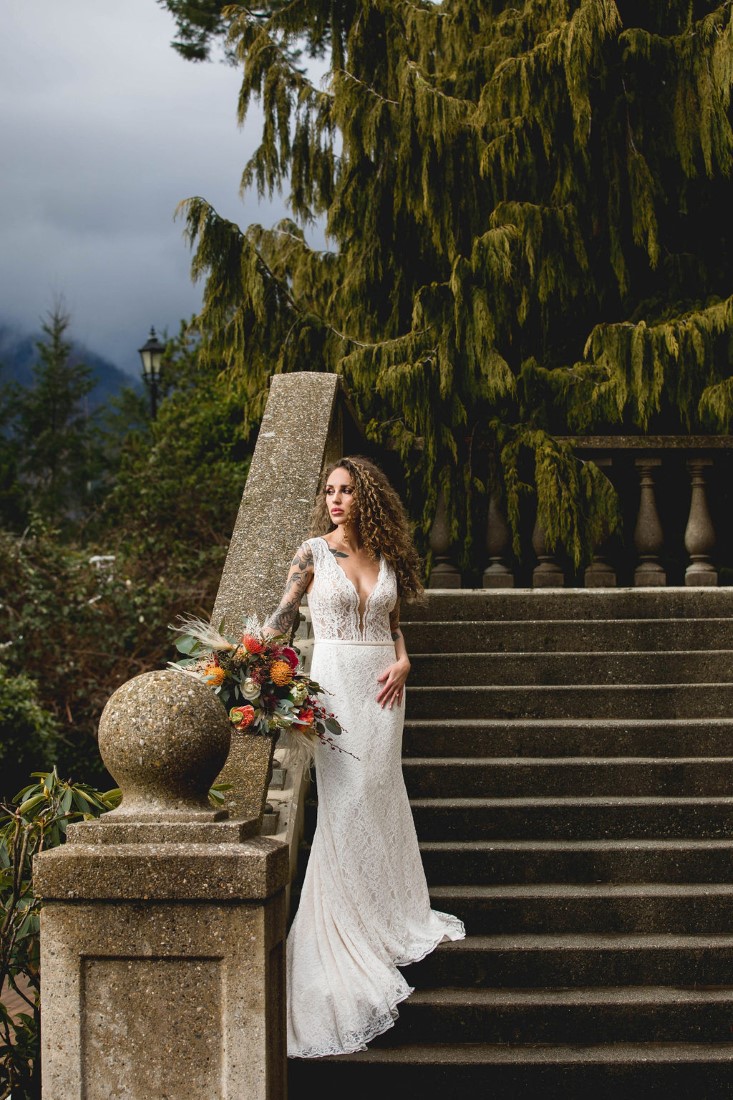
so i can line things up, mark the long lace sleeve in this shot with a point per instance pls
(282, 619)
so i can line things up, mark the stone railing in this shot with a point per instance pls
(163, 926)
(674, 494)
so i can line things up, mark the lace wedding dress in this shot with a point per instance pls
(364, 908)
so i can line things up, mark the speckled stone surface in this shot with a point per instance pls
(300, 431)
(164, 737)
(278, 497)
(253, 869)
(173, 1008)
(163, 930)
(246, 771)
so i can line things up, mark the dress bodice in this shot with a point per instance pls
(334, 601)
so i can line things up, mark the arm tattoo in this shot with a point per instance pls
(301, 570)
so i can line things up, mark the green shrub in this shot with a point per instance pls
(35, 819)
(28, 733)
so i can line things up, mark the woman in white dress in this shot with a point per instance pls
(364, 908)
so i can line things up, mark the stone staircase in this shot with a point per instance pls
(569, 759)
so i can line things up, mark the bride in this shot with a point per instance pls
(364, 908)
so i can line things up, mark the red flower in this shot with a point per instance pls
(290, 656)
(242, 717)
(252, 644)
(306, 716)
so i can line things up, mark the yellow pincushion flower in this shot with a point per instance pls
(281, 673)
(215, 675)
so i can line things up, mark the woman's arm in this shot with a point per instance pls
(393, 678)
(300, 575)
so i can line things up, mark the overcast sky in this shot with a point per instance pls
(103, 130)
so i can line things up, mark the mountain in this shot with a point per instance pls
(18, 354)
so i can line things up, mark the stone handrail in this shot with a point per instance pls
(308, 422)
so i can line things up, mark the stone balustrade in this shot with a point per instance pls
(674, 494)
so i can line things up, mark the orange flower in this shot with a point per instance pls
(252, 644)
(306, 716)
(215, 675)
(281, 672)
(242, 717)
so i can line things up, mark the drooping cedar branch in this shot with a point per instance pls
(526, 208)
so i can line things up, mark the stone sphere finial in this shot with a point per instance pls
(164, 736)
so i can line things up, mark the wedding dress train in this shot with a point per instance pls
(364, 908)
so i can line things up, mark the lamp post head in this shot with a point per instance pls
(151, 355)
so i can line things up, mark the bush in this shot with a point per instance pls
(28, 733)
(35, 820)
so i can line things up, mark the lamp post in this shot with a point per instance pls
(151, 355)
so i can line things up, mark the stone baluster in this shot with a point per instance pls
(648, 534)
(163, 925)
(600, 573)
(444, 573)
(699, 533)
(547, 573)
(498, 543)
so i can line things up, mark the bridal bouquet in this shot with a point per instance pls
(261, 683)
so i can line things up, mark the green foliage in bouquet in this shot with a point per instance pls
(260, 681)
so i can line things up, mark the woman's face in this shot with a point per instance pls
(340, 497)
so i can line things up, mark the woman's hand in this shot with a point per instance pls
(393, 680)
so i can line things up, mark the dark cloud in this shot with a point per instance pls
(104, 130)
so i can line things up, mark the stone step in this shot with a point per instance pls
(487, 862)
(560, 737)
(620, 1014)
(660, 908)
(498, 777)
(551, 635)
(580, 700)
(526, 961)
(563, 668)
(536, 604)
(594, 1071)
(572, 818)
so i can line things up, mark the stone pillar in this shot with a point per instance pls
(547, 573)
(444, 573)
(699, 533)
(498, 543)
(600, 573)
(648, 534)
(163, 925)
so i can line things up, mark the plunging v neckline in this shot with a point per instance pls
(360, 614)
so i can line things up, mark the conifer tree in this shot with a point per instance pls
(527, 213)
(54, 433)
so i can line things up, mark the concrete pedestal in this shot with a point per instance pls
(163, 926)
(163, 971)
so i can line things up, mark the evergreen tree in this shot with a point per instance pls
(197, 24)
(527, 212)
(13, 506)
(55, 436)
(180, 481)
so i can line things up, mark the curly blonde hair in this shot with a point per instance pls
(381, 520)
